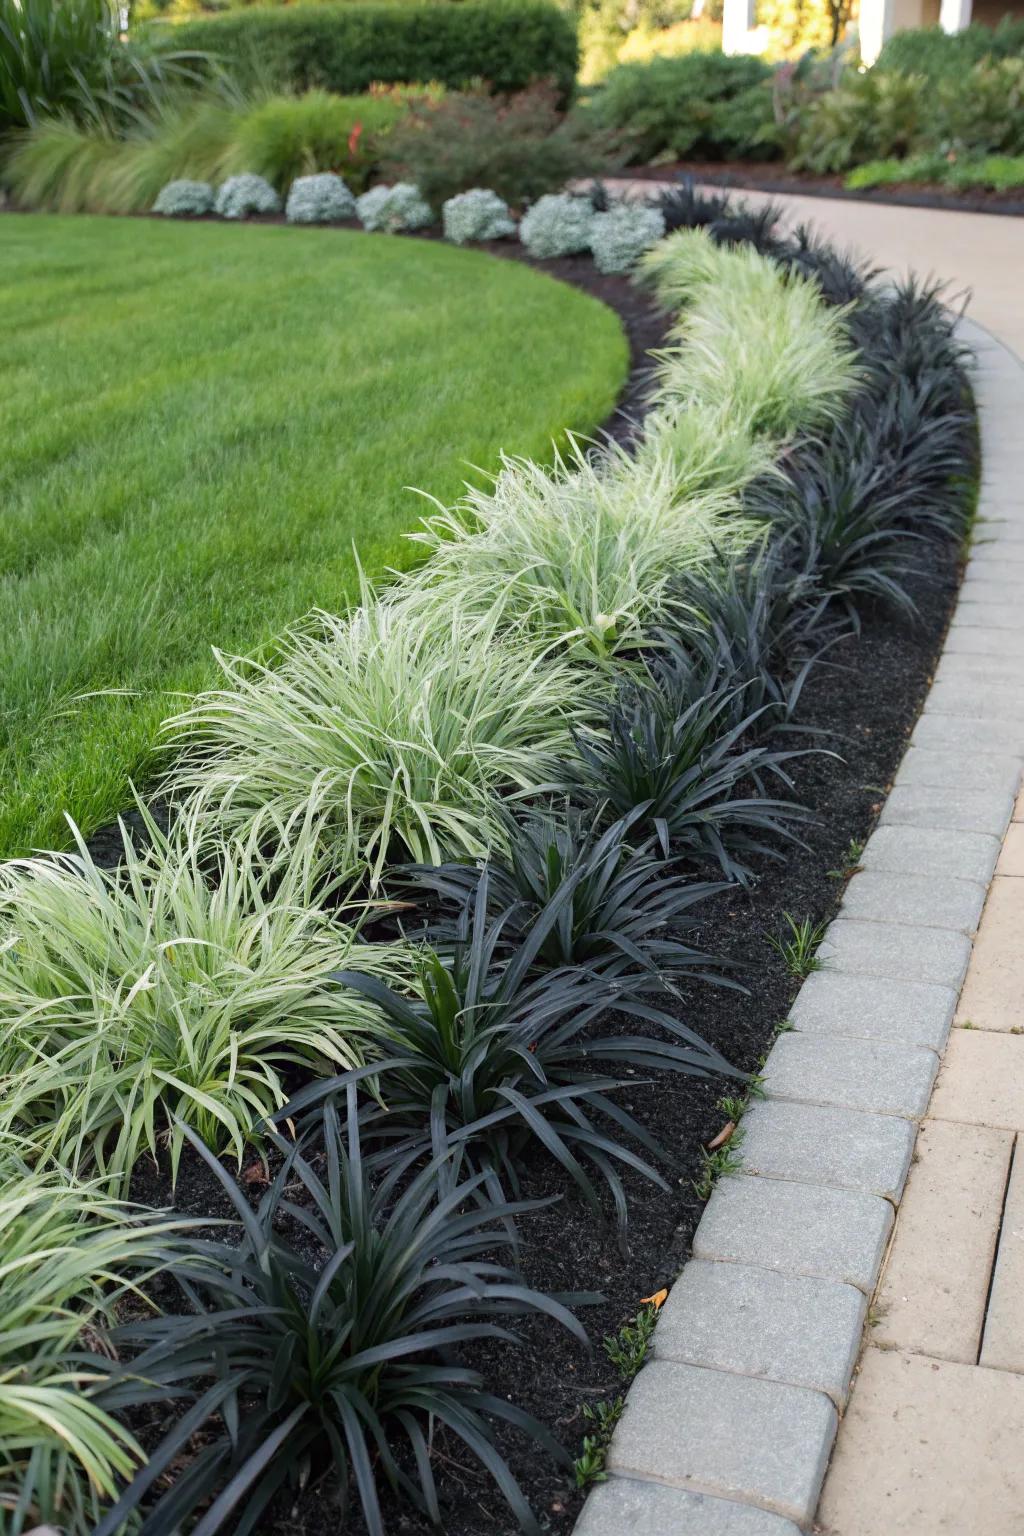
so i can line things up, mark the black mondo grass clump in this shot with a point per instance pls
(761, 623)
(676, 749)
(842, 278)
(492, 1058)
(600, 902)
(687, 206)
(836, 521)
(323, 1346)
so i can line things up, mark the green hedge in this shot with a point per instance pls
(345, 48)
(930, 51)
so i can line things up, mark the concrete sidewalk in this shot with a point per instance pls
(932, 1439)
(980, 255)
(931, 1431)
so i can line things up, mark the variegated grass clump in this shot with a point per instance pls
(240, 196)
(557, 225)
(753, 340)
(181, 198)
(394, 730)
(394, 209)
(69, 1252)
(579, 555)
(621, 234)
(476, 215)
(177, 988)
(320, 199)
(709, 450)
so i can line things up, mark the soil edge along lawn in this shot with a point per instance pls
(202, 425)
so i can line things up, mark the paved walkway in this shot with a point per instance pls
(932, 1439)
(979, 253)
(729, 1432)
(933, 1436)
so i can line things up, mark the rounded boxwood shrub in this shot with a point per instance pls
(241, 195)
(178, 198)
(393, 209)
(622, 234)
(476, 215)
(557, 225)
(319, 199)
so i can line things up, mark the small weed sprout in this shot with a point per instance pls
(850, 862)
(799, 950)
(589, 1465)
(627, 1349)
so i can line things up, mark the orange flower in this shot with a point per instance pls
(657, 1300)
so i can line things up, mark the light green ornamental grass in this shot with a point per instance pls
(69, 1252)
(393, 731)
(90, 167)
(174, 990)
(578, 556)
(708, 449)
(752, 340)
(200, 422)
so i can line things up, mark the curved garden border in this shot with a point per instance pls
(728, 1431)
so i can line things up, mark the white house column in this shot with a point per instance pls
(737, 24)
(955, 15)
(876, 23)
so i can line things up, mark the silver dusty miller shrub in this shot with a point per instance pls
(184, 197)
(476, 215)
(622, 234)
(557, 225)
(241, 195)
(320, 199)
(393, 209)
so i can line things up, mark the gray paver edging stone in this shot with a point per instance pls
(728, 1430)
(883, 1077)
(828, 1144)
(623, 1507)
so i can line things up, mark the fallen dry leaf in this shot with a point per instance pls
(657, 1300)
(724, 1135)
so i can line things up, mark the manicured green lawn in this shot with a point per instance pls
(199, 422)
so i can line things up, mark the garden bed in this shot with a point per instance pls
(864, 703)
(655, 665)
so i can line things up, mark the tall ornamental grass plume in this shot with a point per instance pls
(579, 554)
(752, 339)
(174, 990)
(69, 1253)
(394, 729)
(68, 59)
(93, 168)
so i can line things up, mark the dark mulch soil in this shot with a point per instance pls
(765, 176)
(865, 702)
